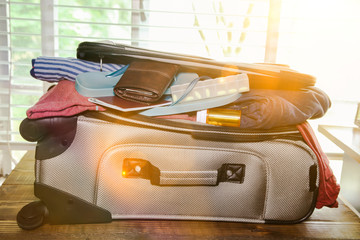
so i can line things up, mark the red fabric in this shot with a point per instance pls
(61, 100)
(328, 188)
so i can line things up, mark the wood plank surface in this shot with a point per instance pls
(17, 191)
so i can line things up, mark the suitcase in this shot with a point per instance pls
(97, 167)
(261, 75)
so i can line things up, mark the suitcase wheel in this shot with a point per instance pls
(32, 215)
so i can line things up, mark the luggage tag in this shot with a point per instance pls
(98, 84)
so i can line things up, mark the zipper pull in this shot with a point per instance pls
(101, 61)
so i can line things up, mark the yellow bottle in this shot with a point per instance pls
(220, 117)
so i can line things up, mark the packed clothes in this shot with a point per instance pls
(61, 100)
(265, 108)
(260, 108)
(54, 69)
(328, 187)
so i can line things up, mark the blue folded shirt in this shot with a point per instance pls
(54, 69)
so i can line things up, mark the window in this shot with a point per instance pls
(316, 37)
(321, 38)
(16, 92)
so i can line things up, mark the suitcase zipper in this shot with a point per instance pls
(114, 50)
(202, 131)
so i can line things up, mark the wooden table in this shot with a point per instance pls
(17, 191)
(348, 139)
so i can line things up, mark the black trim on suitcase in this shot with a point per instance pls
(65, 208)
(312, 178)
(58, 207)
(53, 135)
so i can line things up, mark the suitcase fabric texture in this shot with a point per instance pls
(128, 168)
(98, 166)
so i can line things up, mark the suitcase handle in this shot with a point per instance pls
(140, 168)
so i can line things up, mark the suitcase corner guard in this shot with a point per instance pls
(58, 207)
(53, 135)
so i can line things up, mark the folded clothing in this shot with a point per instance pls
(265, 108)
(61, 100)
(54, 69)
(328, 187)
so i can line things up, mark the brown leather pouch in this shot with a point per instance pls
(145, 81)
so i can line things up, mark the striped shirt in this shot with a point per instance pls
(54, 69)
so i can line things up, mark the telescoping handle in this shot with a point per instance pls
(140, 168)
